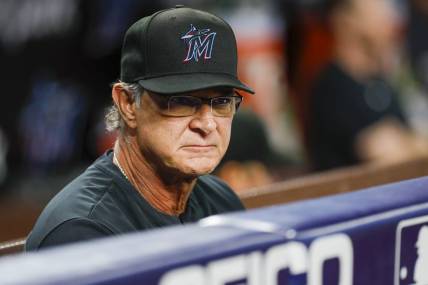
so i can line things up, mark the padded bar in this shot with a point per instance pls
(374, 236)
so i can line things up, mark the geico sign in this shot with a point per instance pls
(260, 268)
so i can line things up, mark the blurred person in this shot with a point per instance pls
(173, 108)
(355, 113)
(250, 160)
(417, 41)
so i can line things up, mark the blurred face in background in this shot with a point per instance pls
(374, 23)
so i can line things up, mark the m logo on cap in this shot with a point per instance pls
(199, 43)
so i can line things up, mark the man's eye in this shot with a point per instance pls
(222, 101)
(187, 101)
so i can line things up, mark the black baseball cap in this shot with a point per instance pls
(180, 50)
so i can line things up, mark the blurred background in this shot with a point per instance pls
(338, 83)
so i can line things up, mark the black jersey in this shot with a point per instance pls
(340, 109)
(101, 202)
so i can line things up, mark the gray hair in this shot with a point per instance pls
(113, 118)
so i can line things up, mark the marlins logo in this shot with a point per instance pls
(199, 43)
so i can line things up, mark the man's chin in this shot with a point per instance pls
(198, 169)
(193, 167)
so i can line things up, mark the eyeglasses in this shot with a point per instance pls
(186, 105)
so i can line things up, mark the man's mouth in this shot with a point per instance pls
(198, 148)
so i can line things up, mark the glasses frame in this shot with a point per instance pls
(164, 101)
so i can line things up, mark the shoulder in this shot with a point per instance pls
(217, 192)
(79, 201)
(80, 197)
(73, 230)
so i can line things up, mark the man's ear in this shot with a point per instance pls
(125, 105)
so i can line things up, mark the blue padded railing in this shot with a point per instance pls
(376, 236)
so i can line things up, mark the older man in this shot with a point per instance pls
(173, 108)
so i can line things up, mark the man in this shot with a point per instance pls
(355, 114)
(173, 108)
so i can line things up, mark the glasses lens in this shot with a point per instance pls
(183, 105)
(223, 106)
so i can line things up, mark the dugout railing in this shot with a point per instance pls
(296, 189)
(373, 236)
(333, 182)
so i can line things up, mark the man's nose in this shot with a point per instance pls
(203, 120)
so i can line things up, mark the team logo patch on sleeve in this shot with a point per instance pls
(199, 43)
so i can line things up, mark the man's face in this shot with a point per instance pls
(186, 146)
(376, 22)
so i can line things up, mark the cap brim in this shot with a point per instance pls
(191, 82)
